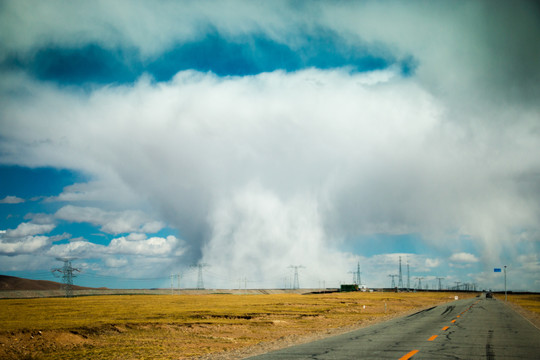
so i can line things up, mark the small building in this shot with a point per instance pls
(348, 287)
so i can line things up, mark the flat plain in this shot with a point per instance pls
(192, 326)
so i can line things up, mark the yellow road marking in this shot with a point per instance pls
(433, 337)
(409, 355)
(445, 328)
(453, 321)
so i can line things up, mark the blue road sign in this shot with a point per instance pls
(497, 270)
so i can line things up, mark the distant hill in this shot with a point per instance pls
(16, 283)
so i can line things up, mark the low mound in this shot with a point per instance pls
(16, 283)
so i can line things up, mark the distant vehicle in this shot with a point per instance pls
(489, 295)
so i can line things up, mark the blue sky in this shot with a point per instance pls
(142, 139)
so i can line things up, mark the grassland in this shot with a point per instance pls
(527, 305)
(185, 326)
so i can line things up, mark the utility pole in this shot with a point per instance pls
(440, 278)
(457, 284)
(296, 284)
(505, 294)
(400, 280)
(67, 272)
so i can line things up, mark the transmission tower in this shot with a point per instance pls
(440, 286)
(393, 276)
(200, 280)
(67, 274)
(419, 287)
(296, 283)
(357, 279)
(173, 276)
(408, 277)
(354, 281)
(400, 279)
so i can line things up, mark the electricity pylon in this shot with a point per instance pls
(400, 279)
(67, 272)
(408, 277)
(296, 283)
(419, 283)
(393, 276)
(200, 280)
(177, 276)
(357, 278)
(440, 286)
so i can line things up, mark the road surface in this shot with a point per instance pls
(477, 328)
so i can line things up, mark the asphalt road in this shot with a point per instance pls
(477, 328)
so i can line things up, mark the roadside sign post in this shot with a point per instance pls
(505, 295)
(499, 270)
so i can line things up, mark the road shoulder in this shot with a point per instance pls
(531, 316)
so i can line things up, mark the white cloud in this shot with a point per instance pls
(113, 222)
(23, 245)
(463, 257)
(133, 244)
(99, 191)
(11, 200)
(154, 246)
(115, 262)
(27, 238)
(257, 234)
(76, 248)
(372, 157)
(338, 153)
(431, 263)
(29, 229)
(480, 55)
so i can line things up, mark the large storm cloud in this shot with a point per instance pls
(285, 167)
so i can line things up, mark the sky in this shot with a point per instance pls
(246, 138)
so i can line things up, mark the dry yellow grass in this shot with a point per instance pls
(527, 305)
(529, 302)
(175, 327)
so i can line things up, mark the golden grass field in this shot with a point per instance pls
(530, 302)
(527, 305)
(187, 326)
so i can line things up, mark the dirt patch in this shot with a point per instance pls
(36, 344)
